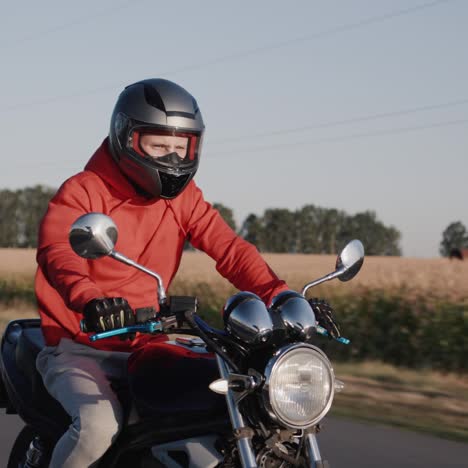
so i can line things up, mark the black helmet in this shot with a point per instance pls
(156, 136)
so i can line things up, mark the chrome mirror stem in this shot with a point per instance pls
(321, 280)
(122, 258)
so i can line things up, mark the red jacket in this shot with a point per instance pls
(151, 232)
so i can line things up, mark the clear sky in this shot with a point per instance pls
(356, 105)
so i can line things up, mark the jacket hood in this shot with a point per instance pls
(102, 164)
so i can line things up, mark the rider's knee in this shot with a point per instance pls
(98, 432)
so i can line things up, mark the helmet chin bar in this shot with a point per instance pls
(172, 185)
(153, 182)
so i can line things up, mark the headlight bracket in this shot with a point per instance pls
(243, 385)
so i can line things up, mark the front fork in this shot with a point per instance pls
(244, 433)
(241, 431)
(313, 452)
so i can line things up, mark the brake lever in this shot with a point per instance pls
(148, 327)
(321, 331)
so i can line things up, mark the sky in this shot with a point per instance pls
(358, 105)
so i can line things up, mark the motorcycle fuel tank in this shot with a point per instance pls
(171, 378)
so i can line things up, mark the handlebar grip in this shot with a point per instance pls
(83, 326)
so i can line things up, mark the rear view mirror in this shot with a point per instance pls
(93, 235)
(350, 260)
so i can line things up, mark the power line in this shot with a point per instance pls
(83, 19)
(339, 139)
(336, 123)
(327, 32)
(238, 55)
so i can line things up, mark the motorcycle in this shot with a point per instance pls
(258, 388)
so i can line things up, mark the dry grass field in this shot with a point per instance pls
(434, 277)
(437, 277)
(17, 262)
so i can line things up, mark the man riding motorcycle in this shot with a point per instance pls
(142, 176)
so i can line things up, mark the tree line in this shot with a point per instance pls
(317, 230)
(20, 214)
(310, 229)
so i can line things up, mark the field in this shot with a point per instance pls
(423, 399)
(438, 278)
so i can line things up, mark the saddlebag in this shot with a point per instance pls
(27, 396)
(3, 395)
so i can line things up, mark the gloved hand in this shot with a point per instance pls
(324, 316)
(108, 313)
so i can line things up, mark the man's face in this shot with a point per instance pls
(160, 145)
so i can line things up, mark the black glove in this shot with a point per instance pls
(324, 316)
(107, 313)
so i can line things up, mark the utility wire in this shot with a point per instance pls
(54, 29)
(319, 35)
(239, 55)
(338, 139)
(336, 123)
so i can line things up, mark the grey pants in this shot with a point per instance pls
(78, 377)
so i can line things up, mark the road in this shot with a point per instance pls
(344, 444)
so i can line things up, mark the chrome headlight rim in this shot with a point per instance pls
(270, 368)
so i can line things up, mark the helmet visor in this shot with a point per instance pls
(170, 150)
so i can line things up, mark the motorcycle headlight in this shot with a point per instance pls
(299, 386)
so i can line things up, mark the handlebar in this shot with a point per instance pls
(323, 332)
(148, 327)
(148, 321)
(156, 326)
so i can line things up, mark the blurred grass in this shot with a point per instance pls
(425, 401)
(211, 298)
(17, 289)
(17, 299)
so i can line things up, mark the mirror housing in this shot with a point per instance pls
(93, 235)
(350, 260)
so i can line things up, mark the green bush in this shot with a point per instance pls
(211, 302)
(394, 329)
(12, 291)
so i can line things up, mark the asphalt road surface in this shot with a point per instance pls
(343, 443)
